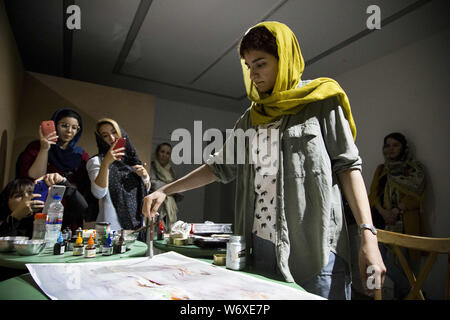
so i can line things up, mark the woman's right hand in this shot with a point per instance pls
(113, 155)
(151, 204)
(27, 206)
(47, 141)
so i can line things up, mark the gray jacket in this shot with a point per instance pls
(315, 145)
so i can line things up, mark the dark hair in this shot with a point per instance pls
(258, 38)
(163, 144)
(400, 138)
(67, 113)
(18, 186)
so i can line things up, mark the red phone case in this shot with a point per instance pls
(48, 127)
(120, 143)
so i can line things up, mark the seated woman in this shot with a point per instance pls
(396, 197)
(118, 179)
(162, 173)
(17, 205)
(63, 157)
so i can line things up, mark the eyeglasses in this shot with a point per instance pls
(67, 126)
(21, 194)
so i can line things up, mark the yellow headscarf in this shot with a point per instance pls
(286, 98)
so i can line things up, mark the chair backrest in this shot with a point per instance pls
(433, 246)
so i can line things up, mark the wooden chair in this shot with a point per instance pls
(433, 246)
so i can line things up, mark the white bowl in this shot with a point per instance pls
(7, 243)
(29, 247)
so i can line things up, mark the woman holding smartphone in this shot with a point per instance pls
(18, 203)
(118, 178)
(58, 152)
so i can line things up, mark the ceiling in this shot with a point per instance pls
(186, 50)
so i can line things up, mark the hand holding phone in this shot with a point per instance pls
(48, 130)
(120, 143)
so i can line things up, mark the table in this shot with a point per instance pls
(23, 287)
(15, 261)
(192, 251)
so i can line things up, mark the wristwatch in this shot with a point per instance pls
(369, 227)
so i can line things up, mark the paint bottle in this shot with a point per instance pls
(90, 250)
(191, 238)
(59, 247)
(78, 248)
(120, 245)
(235, 253)
(85, 236)
(103, 239)
(108, 247)
(160, 233)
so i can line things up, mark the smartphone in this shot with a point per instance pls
(41, 188)
(120, 144)
(55, 190)
(48, 127)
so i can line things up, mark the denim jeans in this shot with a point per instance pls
(333, 282)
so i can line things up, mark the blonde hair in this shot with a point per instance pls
(108, 121)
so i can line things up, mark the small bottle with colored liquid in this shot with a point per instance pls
(108, 247)
(103, 239)
(90, 250)
(59, 247)
(120, 245)
(78, 248)
(160, 233)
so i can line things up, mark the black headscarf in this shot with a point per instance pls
(126, 188)
(69, 159)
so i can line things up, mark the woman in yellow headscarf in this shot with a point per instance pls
(288, 204)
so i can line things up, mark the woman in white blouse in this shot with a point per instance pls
(118, 178)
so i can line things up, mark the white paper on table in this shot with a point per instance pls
(166, 276)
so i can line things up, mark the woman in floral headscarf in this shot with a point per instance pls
(398, 189)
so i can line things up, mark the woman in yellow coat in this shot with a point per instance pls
(396, 197)
(398, 189)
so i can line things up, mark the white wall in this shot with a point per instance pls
(171, 115)
(408, 91)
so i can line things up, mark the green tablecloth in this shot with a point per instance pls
(15, 261)
(192, 251)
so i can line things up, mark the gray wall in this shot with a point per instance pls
(408, 91)
(171, 115)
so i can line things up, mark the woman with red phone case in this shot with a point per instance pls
(118, 178)
(57, 151)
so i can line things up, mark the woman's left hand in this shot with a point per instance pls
(27, 206)
(51, 178)
(141, 171)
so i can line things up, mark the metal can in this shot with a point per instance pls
(235, 253)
